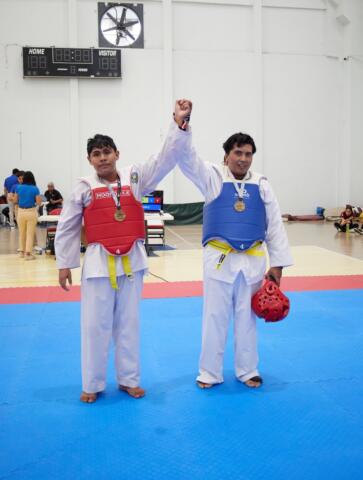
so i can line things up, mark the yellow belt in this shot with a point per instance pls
(226, 249)
(126, 264)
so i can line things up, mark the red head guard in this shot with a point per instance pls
(270, 303)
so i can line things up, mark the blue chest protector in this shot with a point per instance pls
(239, 229)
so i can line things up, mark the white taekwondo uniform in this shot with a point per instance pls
(228, 290)
(106, 312)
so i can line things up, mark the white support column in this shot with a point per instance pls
(20, 133)
(345, 160)
(75, 155)
(344, 166)
(259, 103)
(168, 184)
(167, 59)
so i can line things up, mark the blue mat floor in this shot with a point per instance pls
(304, 423)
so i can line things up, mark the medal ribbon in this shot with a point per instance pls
(239, 189)
(116, 196)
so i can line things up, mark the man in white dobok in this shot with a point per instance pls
(241, 216)
(109, 204)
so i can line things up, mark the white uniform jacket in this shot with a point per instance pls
(143, 180)
(209, 179)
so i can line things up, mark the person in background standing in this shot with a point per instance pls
(8, 183)
(11, 194)
(27, 196)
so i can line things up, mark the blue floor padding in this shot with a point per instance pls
(305, 423)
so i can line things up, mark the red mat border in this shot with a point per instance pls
(18, 295)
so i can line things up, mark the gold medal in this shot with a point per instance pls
(120, 215)
(239, 205)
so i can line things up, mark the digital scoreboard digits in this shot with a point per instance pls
(71, 62)
(72, 55)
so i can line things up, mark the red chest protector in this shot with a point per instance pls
(101, 227)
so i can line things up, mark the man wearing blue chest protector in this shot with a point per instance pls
(241, 217)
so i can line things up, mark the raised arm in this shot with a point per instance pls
(175, 144)
(205, 176)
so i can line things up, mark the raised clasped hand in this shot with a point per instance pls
(183, 109)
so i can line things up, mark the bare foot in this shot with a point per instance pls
(134, 392)
(254, 382)
(88, 397)
(204, 385)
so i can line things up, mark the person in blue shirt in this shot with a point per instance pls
(27, 196)
(8, 184)
(20, 176)
(11, 194)
(9, 181)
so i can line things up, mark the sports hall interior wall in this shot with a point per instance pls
(247, 65)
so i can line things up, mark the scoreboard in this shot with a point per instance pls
(71, 62)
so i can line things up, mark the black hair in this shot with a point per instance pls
(99, 141)
(20, 173)
(15, 171)
(238, 139)
(28, 178)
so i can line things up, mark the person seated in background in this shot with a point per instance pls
(4, 211)
(358, 211)
(54, 198)
(346, 220)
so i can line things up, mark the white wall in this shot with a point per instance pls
(355, 54)
(272, 68)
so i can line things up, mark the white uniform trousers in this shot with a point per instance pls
(222, 301)
(107, 313)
